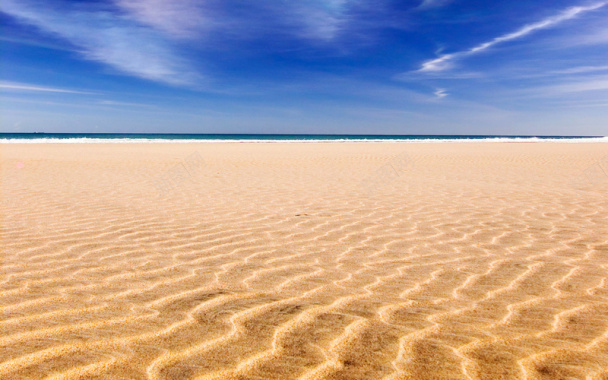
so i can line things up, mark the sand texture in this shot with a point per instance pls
(304, 261)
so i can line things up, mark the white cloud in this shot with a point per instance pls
(36, 88)
(445, 61)
(322, 19)
(441, 93)
(107, 38)
(412, 76)
(179, 18)
(591, 84)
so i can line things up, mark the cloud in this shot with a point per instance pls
(313, 19)
(599, 83)
(108, 38)
(321, 19)
(179, 18)
(426, 4)
(445, 61)
(413, 76)
(138, 37)
(36, 88)
(441, 93)
(123, 104)
(580, 70)
(34, 42)
(599, 36)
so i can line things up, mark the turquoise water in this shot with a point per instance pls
(143, 137)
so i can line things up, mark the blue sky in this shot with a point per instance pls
(309, 66)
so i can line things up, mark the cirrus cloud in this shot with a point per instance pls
(179, 18)
(445, 61)
(103, 36)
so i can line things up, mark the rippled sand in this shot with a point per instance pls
(307, 261)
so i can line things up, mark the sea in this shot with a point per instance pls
(269, 138)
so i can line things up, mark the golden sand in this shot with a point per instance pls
(304, 261)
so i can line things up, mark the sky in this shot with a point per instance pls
(534, 67)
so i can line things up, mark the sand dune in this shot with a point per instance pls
(304, 261)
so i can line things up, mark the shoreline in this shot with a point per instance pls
(567, 140)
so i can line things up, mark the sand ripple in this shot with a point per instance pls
(303, 261)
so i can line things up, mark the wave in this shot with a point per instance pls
(93, 140)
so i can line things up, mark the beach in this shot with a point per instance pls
(316, 260)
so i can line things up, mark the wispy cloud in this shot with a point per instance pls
(123, 104)
(597, 83)
(34, 42)
(179, 18)
(597, 38)
(426, 4)
(445, 61)
(413, 76)
(313, 19)
(36, 88)
(108, 38)
(441, 93)
(579, 70)
(592, 35)
(321, 19)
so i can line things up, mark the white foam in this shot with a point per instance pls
(87, 140)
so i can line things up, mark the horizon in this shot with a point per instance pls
(319, 67)
(11, 135)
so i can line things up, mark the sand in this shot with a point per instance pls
(304, 261)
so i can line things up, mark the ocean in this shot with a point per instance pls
(175, 137)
